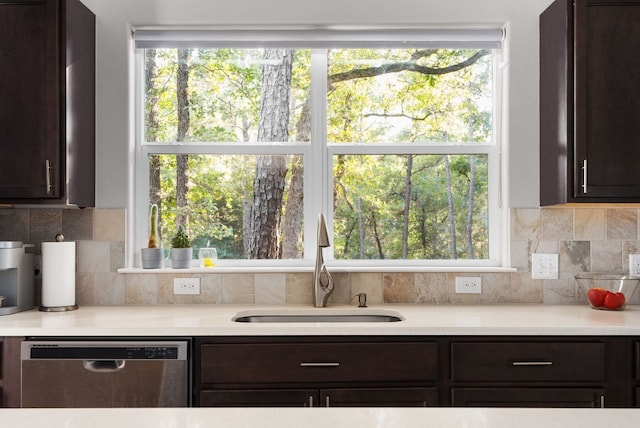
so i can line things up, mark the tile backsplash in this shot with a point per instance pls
(591, 238)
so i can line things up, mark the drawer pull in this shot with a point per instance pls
(532, 363)
(319, 364)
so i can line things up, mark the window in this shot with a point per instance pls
(245, 136)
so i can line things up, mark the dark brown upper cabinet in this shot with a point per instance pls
(47, 103)
(590, 101)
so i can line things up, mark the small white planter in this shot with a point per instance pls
(151, 258)
(181, 258)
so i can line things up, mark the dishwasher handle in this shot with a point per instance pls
(103, 366)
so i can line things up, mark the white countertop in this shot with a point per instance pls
(216, 320)
(320, 418)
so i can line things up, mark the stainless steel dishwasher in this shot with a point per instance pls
(105, 373)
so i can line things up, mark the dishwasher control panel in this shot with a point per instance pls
(63, 350)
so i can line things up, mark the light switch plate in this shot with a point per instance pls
(544, 266)
(634, 264)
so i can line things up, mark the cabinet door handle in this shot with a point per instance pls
(532, 363)
(320, 364)
(47, 167)
(584, 176)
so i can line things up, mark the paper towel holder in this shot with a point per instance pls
(71, 306)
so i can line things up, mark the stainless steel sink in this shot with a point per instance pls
(299, 316)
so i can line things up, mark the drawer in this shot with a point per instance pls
(318, 362)
(260, 398)
(379, 397)
(527, 397)
(528, 361)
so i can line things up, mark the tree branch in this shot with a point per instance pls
(415, 118)
(411, 65)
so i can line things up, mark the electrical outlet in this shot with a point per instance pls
(544, 266)
(186, 286)
(37, 266)
(468, 284)
(634, 264)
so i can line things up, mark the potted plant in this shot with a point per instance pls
(153, 255)
(181, 252)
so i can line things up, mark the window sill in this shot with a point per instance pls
(309, 269)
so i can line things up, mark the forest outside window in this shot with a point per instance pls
(245, 136)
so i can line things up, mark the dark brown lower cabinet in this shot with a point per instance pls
(527, 397)
(554, 372)
(317, 372)
(406, 371)
(331, 397)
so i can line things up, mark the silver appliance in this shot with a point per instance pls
(16, 277)
(105, 373)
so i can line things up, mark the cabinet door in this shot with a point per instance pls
(29, 100)
(10, 371)
(636, 360)
(259, 398)
(607, 99)
(527, 397)
(379, 397)
(556, 104)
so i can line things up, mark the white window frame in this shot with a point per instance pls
(318, 175)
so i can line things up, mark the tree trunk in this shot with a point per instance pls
(376, 235)
(182, 161)
(471, 198)
(151, 129)
(470, 206)
(247, 199)
(452, 219)
(407, 205)
(424, 234)
(292, 247)
(271, 170)
(361, 228)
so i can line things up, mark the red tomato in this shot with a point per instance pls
(596, 296)
(614, 300)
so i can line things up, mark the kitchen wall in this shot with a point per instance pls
(593, 238)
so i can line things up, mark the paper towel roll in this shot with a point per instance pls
(58, 274)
